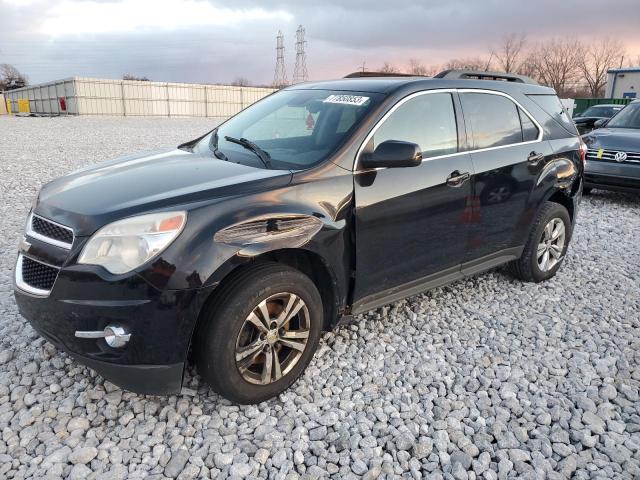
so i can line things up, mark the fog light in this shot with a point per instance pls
(116, 337)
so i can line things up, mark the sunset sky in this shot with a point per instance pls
(204, 41)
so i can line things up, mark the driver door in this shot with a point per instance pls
(411, 223)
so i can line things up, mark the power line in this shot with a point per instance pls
(300, 73)
(280, 75)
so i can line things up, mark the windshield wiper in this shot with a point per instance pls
(264, 157)
(213, 145)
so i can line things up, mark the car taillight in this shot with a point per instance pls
(583, 151)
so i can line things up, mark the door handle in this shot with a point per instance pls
(535, 158)
(455, 178)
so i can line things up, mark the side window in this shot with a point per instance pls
(428, 120)
(494, 119)
(529, 130)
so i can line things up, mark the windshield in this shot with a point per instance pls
(296, 128)
(600, 112)
(629, 117)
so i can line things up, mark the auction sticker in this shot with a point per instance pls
(356, 100)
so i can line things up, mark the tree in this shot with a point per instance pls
(388, 68)
(599, 57)
(416, 67)
(469, 63)
(11, 78)
(556, 63)
(509, 52)
(240, 82)
(128, 76)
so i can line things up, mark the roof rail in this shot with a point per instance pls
(478, 75)
(379, 74)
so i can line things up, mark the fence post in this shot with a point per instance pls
(124, 102)
(168, 103)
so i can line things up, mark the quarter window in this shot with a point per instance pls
(428, 120)
(494, 119)
(529, 131)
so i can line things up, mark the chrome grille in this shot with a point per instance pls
(34, 276)
(49, 232)
(609, 156)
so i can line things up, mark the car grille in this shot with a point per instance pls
(38, 275)
(610, 156)
(50, 232)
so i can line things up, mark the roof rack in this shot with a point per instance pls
(379, 74)
(478, 75)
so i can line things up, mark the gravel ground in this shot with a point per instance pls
(487, 378)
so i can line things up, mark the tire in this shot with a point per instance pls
(528, 267)
(227, 333)
(586, 191)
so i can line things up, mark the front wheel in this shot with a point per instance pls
(260, 333)
(547, 245)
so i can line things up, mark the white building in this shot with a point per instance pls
(623, 83)
(94, 96)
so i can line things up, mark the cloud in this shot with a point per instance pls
(212, 41)
(93, 17)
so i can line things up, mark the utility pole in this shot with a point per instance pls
(300, 73)
(280, 75)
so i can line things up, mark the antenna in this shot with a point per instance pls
(280, 75)
(300, 73)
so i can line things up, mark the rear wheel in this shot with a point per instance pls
(260, 333)
(547, 245)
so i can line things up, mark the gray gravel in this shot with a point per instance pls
(487, 378)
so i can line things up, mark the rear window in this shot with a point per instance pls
(552, 105)
(494, 120)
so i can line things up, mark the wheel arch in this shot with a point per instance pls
(308, 262)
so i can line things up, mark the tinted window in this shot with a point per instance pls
(493, 119)
(428, 120)
(551, 104)
(529, 130)
(598, 111)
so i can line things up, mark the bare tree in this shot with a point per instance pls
(388, 68)
(11, 78)
(241, 82)
(556, 63)
(633, 61)
(469, 63)
(128, 76)
(416, 67)
(508, 54)
(598, 57)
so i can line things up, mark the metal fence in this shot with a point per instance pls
(93, 96)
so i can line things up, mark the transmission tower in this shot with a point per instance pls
(300, 73)
(280, 75)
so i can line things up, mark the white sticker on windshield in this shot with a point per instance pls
(356, 100)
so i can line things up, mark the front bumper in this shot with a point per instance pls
(89, 298)
(612, 176)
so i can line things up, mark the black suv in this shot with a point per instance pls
(324, 200)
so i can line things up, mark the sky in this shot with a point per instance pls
(210, 41)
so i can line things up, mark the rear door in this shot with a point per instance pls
(410, 222)
(508, 154)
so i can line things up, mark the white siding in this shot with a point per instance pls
(94, 96)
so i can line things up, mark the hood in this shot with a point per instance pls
(623, 139)
(94, 196)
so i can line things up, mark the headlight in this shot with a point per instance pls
(126, 244)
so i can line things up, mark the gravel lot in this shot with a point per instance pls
(487, 378)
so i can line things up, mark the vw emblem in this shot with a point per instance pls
(620, 157)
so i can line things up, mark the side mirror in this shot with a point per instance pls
(393, 154)
(600, 123)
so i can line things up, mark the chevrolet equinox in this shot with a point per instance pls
(236, 250)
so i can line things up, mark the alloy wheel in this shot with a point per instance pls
(272, 338)
(551, 244)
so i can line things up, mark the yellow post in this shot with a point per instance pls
(23, 105)
(9, 107)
